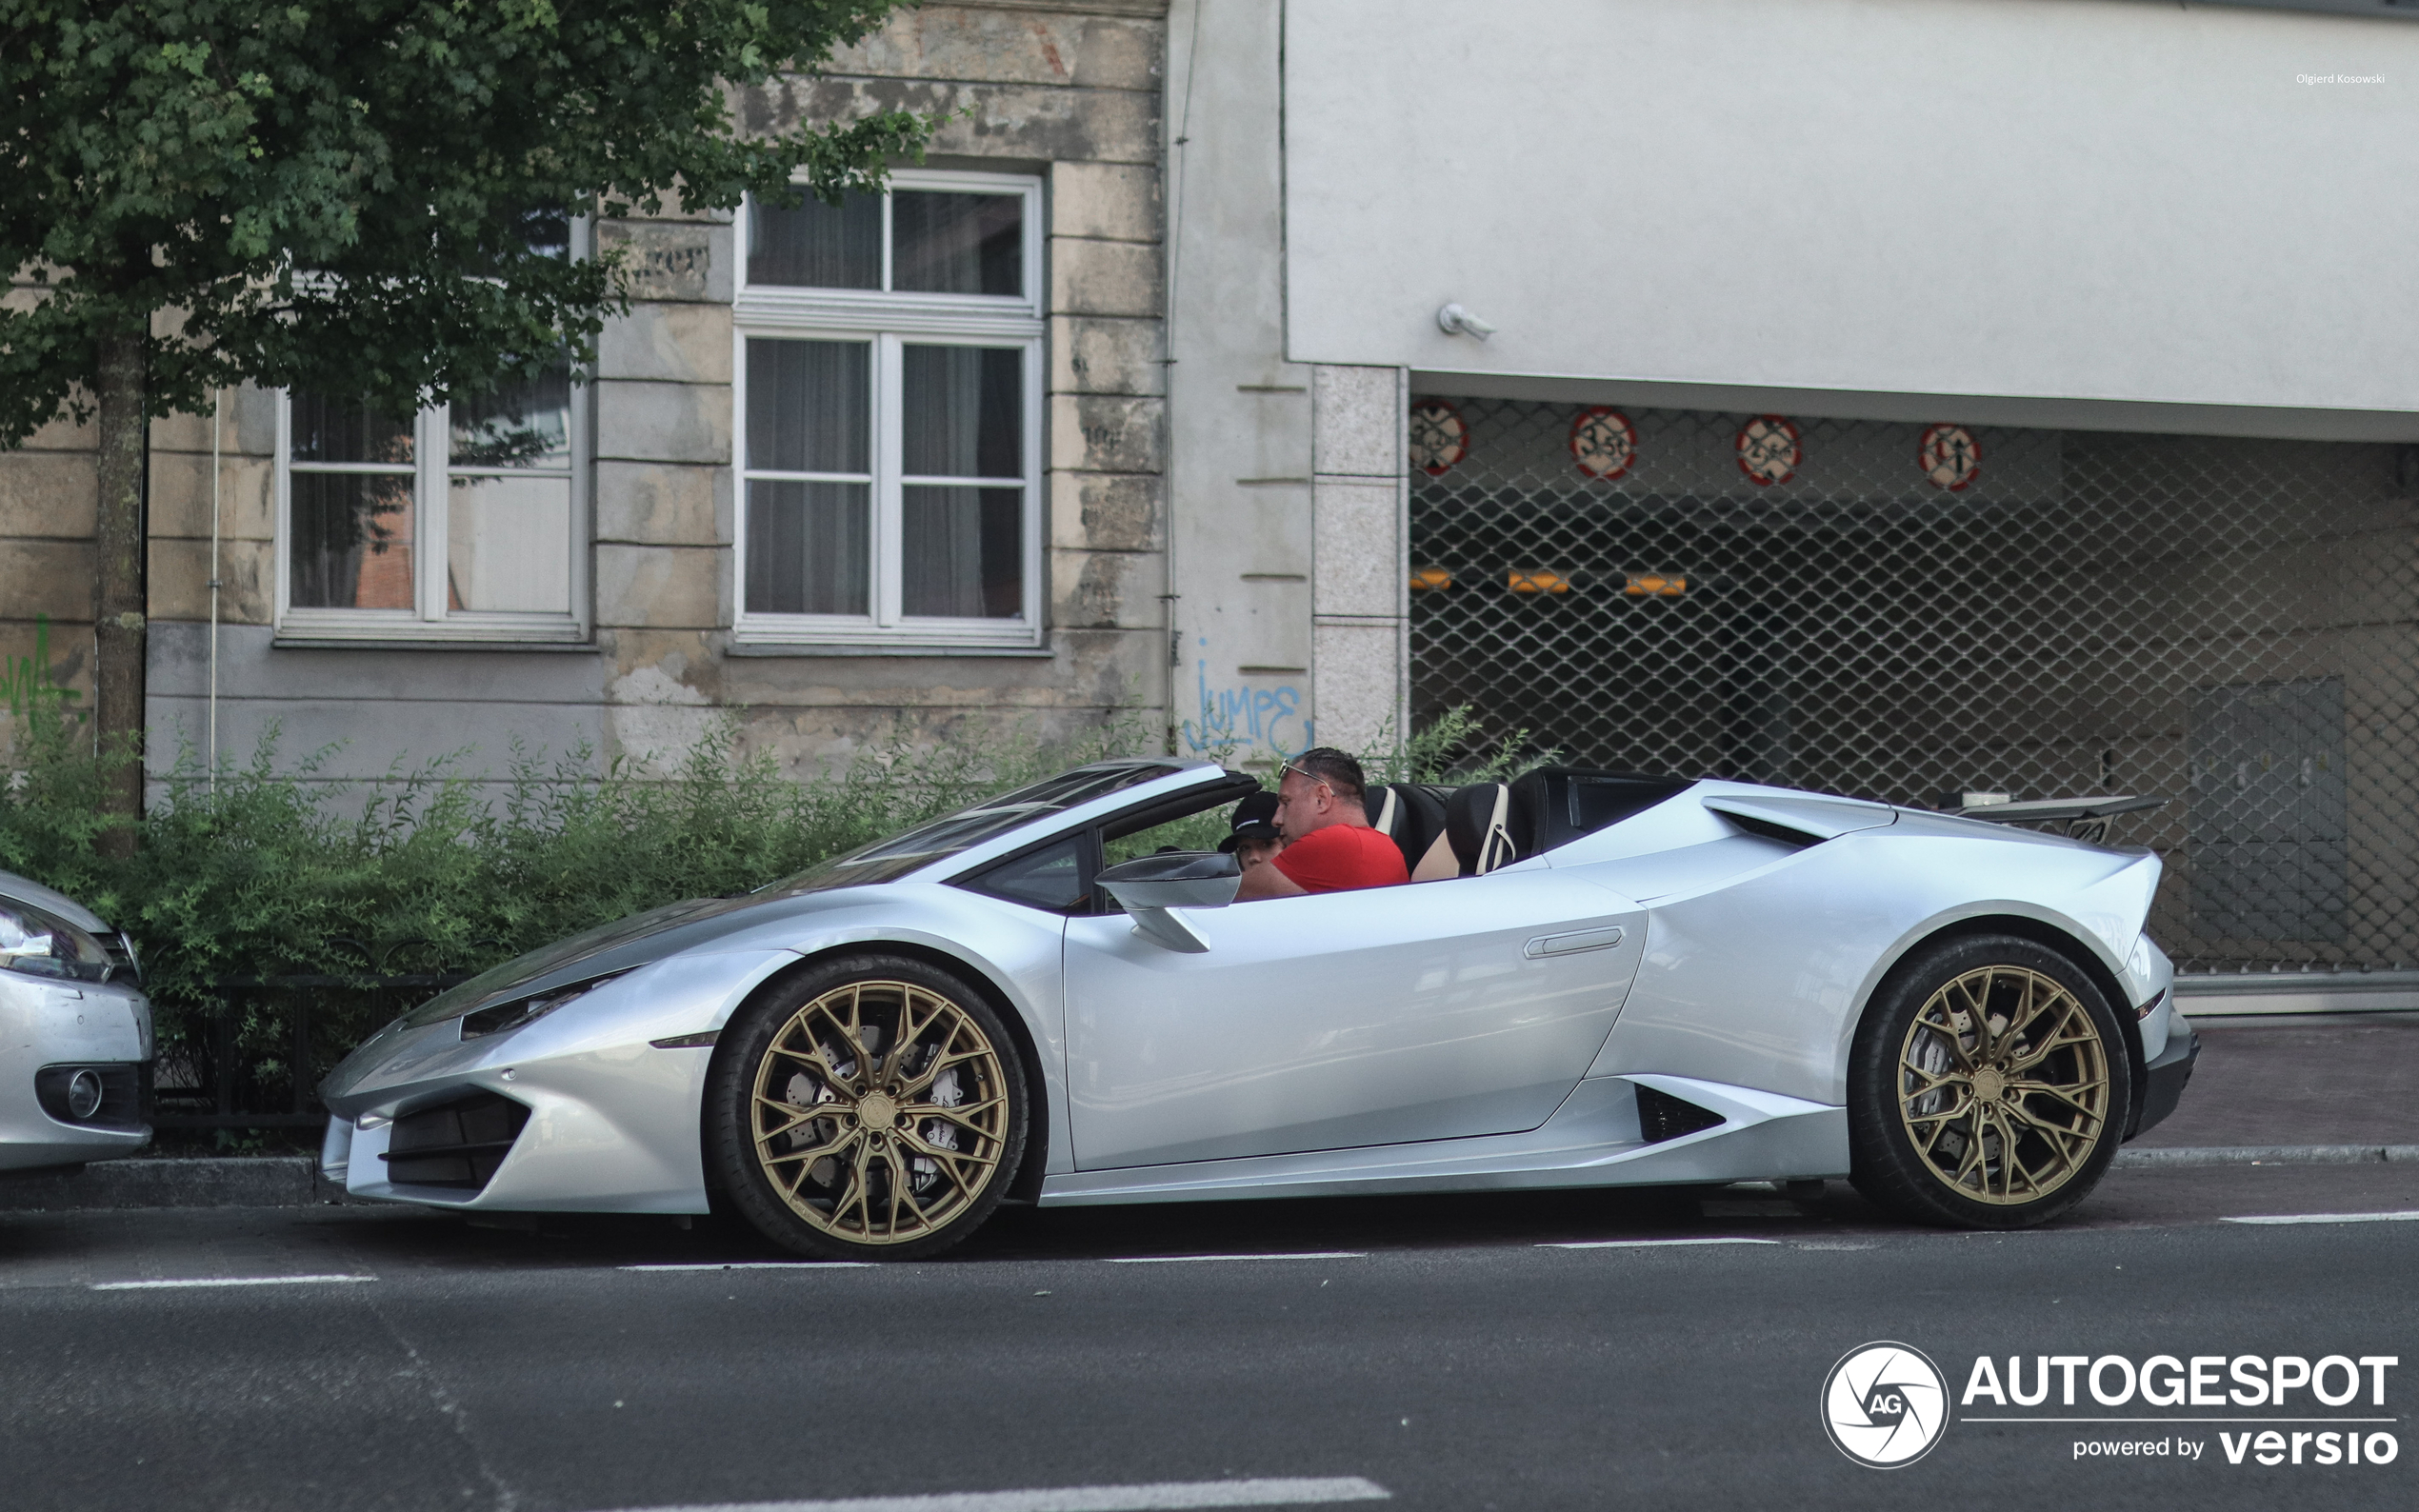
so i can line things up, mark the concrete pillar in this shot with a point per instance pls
(1360, 501)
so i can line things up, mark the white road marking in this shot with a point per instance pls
(1165, 1496)
(223, 1281)
(762, 1265)
(2330, 1218)
(1648, 1243)
(1180, 1259)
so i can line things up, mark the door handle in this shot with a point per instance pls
(1571, 943)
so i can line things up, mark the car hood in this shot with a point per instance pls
(625, 944)
(59, 903)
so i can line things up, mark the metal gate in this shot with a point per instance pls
(1902, 612)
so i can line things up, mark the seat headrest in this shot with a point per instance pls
(1382, 809)
(1477, 825)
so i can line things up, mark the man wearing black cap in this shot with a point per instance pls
(1254, 838)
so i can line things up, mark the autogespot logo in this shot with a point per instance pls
(1884, 1404)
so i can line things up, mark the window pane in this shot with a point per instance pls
(816, 246)
(963, 411)
(351, 535)
(548, 233)
(1051, 878)
(507, 544)
(809, 406)
(964, 551)
(520, 425)
(329, 430)
(808, 548)
(957, 244)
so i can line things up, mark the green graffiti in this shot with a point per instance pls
(28, 678)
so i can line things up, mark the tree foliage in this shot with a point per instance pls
(340, 195)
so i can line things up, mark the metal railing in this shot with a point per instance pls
(252, 1057)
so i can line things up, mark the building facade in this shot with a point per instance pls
(1916, 399)
(894, 470)
(1910, 400)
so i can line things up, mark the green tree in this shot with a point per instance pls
(338, 195)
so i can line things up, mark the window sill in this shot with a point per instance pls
(364, 643)
(811, 649)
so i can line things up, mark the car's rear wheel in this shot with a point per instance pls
(870, 1108)
(1989, 1087)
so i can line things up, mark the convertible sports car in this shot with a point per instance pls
(1621, 979)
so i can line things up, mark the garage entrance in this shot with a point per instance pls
(1902, 612)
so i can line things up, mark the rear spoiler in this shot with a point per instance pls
(2086, 819)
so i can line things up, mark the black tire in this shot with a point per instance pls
(1935, 1113)
(925, 1126)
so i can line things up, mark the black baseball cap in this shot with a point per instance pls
(1256, 818)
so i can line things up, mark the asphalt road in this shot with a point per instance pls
(1446, 1351)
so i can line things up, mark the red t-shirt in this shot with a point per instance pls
(1341, 857)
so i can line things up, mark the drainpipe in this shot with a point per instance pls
(217, 411)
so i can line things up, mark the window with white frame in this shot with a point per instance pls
(458, 522)
(465, 522)
(889, 381)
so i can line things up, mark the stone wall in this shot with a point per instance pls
(47, 497)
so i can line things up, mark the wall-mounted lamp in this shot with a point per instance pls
(1455, 321)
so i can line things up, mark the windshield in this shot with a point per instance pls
(886, 860)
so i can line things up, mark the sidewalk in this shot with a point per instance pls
(2344, 1080)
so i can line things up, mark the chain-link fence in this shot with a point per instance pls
(1903, 611)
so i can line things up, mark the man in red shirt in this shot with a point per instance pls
(1330, 845)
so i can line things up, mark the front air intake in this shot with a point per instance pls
(457, 1145)
(1661, 1116)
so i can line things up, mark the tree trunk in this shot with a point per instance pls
(118, 599)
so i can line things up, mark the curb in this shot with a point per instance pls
(2266, 1155)
(212, 1181)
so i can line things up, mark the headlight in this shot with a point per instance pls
(38, 944)
(519, 1011)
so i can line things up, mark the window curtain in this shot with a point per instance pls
(962, 545)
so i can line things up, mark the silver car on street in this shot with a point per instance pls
(1616, 979)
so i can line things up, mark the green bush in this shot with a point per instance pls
(269, 872)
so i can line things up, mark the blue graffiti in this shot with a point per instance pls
(1247, 716)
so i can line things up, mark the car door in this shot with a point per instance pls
(1420, 1012)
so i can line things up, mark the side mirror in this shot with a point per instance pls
(1147, 886)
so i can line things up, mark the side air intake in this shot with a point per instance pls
(1661, 1116)
(457, 1145)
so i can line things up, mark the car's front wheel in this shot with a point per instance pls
(870, 1108)
(1989, 1087)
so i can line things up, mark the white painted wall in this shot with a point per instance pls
(2094, 200)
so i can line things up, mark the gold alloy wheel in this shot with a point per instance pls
(880, 1112)
(2003, 1085)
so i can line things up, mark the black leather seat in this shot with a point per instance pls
(1410, 814)
(1479, 826)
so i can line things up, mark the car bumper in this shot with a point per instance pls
(580, 1111)
(48, 1031)
(2163, 1083)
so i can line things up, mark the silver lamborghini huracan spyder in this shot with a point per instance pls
(1632, 980)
